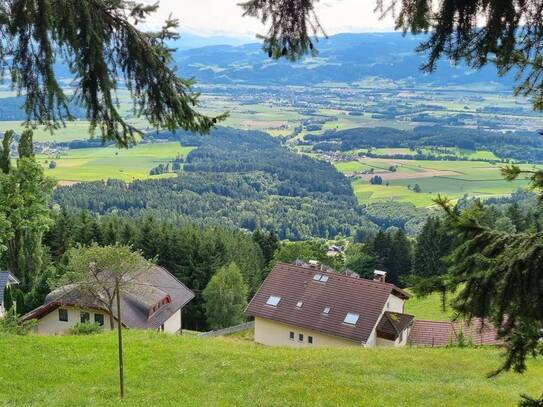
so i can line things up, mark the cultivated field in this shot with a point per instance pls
(164, 370)
(92, 164)
(453, 179)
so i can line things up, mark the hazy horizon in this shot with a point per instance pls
(209, 18)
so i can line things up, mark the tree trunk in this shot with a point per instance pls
(111, 321)
(119, 330)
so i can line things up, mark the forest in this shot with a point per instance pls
(518, 145)
(235, 179)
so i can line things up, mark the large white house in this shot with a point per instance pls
(155, 301)
(311, 306)
(6, 280)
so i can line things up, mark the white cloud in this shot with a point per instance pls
(223, 17)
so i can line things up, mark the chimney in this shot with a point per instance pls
(379, 275)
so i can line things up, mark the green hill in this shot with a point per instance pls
(166, 370)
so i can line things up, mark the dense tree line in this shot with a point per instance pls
(235, 179)
(518, 145)
(191, 253)
(402, 215)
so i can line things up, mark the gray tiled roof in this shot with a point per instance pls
(5, 276)
(148, 289)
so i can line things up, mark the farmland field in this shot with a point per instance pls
(164, 370)
(92, 164)
(453, 179)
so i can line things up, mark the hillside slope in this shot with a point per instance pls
(169, 370)
(342, 58)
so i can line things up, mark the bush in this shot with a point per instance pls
(11, 324)
(86, 328)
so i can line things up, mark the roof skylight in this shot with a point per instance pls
(299, 304)
(273, 300)
(323, 278)
(351, 318)
(326, 310)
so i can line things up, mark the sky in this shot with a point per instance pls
(223, 17)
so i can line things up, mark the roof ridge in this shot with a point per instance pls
(340, 276)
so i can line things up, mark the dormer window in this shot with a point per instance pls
(351, 318)
(299, 304)
(273, 300)
(153, 309)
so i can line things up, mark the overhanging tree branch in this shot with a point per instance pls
(104, 51)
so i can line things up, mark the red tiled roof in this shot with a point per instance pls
(442, 333)
(341, 293)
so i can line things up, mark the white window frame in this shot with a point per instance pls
(351, 318)
(273, 300)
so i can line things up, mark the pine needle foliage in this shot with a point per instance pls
(99, 42)
(498, 277)
(294, 26)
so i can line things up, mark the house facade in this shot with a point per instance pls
(309, 306)
(154, 300)
(6, 280)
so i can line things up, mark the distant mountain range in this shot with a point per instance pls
(342, 58)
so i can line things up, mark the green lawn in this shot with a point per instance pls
(428, 308)
(164, 370)
(91, 164)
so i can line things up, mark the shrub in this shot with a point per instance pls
(85, 328)
(11, 324)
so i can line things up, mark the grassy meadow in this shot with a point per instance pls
(163, 370)
(92, 164)
(453, 179)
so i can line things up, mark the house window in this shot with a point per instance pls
(85, 317)
(310, 340)
(351, 318)
(300, 337)
(291, 335)
(63, 315)
(326, 310)
(323, 278)
(99, 319)
(299, 305)
(273, 300)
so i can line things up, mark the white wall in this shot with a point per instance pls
(273, 333)
(173, 324)
(394, 304)
(51, 325)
